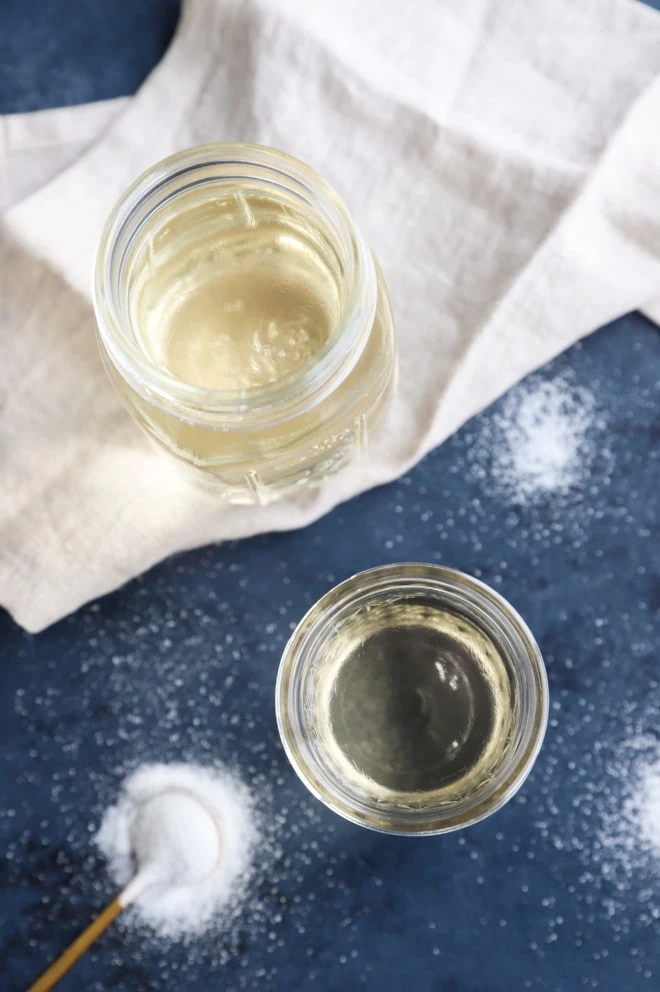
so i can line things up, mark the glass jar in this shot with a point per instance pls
(445, 689)
(244, 320)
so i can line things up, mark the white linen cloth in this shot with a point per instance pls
(501, 156)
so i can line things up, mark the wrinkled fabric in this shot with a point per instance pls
(507, 183)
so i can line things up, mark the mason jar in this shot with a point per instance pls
(412, 699)
(243, 319)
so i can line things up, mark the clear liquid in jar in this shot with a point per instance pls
(236, 291)
(415, 703)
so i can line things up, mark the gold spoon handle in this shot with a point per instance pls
(66, 960)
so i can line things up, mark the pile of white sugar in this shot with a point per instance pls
(649, 813)
(642, 806)
(175, 906)
(629, 834)
(538, 442)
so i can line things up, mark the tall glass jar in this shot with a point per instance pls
(244, 320)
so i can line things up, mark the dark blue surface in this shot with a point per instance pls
(56, 53)
(181, 664)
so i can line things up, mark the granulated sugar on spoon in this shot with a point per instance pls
(180, 841)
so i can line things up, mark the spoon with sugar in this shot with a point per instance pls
(176, 841)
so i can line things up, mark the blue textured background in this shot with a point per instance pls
(181, 663)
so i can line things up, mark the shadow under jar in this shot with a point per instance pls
(244, 320)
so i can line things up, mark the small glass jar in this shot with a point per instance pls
(244, 320)
(498, 719)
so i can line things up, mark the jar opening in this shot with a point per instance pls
(391, 726)
(283, 262)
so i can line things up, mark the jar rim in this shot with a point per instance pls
(293, 715)
(265, 166)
